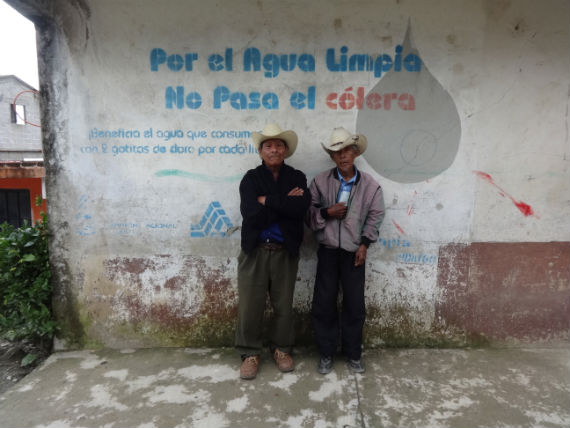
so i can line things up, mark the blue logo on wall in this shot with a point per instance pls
(214, 223)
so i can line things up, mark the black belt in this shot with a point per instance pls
(271, 245)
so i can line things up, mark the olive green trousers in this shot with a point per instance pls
(265, 272)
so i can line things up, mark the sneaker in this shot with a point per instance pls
(283, 360)
(249, 366)
(325, 365)
(356, 366)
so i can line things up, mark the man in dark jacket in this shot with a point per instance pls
(274, 200)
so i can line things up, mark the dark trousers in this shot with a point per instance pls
(336, 266)
(261, 272)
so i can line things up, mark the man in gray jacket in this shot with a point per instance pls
(347, 208)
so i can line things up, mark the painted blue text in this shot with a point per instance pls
(380, 64)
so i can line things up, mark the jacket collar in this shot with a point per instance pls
(335, 175)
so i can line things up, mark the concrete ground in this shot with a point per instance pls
(152, 388)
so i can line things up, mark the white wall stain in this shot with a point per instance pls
(331, 385)
(117, 374)
(399, 403)
(306, 417)
(470, 383)
(101, 396)
(542, 418)
(438, 418)
(147, 425)
(203, 418)
(286, 381)
(61, 423)
(91, 362)
(237, 404)
(143, 382)
(70, 379)
(28, 386)
(175, 394)
(458, 403)
(213, 373)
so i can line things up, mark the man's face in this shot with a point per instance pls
(344, 159)
(273, 152)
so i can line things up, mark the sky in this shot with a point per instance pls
(17, 46)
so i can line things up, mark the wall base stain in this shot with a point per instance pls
(506, 292)
(487, 294)
(398, 326)
(196, 306)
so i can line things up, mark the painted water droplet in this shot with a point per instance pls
(414, 144)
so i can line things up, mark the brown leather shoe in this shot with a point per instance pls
(249, 365)
(283, 360)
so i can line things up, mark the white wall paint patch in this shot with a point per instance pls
(237, 404)
(213, 373)
(91, 362)
(175, 394)
(61, 423)
(143, 382)
(330, 386)
(102, 397)
(286, 381)
(117, 374)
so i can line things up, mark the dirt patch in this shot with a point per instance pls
(11, 356)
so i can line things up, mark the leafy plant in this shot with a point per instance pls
(25, 287)
(28, 360)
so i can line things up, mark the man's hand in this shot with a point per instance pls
(360, 256)
(261, 200)
(297, 191)
(337, 210)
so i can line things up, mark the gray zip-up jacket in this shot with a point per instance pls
(363, 218)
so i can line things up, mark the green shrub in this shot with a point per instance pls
(25, 286)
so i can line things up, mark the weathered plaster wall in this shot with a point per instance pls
(148, 109)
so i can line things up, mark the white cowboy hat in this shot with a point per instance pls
(272, 130)
(341, 138)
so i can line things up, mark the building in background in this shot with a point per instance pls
(21, 158)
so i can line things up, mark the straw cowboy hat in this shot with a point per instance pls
(341, 138)
(271, 131)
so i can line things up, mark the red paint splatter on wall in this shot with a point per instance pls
(524, 208)
(399, 228)
(485, 176)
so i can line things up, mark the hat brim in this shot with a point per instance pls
(360, 142)
(289, 137)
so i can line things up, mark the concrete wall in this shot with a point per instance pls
(148, 112)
